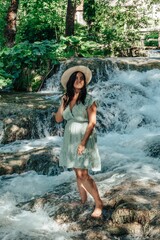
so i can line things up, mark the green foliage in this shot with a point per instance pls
(151, 39)
(152, 35)
(5, 83)
(5, 78)
(89, 11)
(40, 41)
(75, 46)
(40, 20)
(117, 26)
(27, 63)
(24, 66)
(3, 14)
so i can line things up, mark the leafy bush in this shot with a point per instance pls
(27, 63)
(75, 46)
(152, 35)
(151, 39)
(40, 20)
(24, 66)
(5, 83)
(5, 78)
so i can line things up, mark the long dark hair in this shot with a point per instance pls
(70, 89)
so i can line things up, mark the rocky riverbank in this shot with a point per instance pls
(43, 160)
(130, 209)
(26, 116)
(23, 117)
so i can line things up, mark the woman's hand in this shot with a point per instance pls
(80, 149)
(64, 100)
(59, 113)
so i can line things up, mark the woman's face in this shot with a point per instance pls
(79, 82)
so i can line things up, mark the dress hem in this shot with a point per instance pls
(89, 168)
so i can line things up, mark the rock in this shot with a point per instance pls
(43, 161)
(117, 231)
(16, 129)
(28, 118)
(152, 147)
(29, 115)
(130, 217)
(154, 229)
(101, 68)
(97, 235)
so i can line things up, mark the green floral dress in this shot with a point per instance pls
(77, 121)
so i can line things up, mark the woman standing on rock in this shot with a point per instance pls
(79, 150)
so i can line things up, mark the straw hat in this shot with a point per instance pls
(66, 75)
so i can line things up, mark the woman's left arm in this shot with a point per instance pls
(91, 124)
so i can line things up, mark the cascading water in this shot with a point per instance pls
(128, 126)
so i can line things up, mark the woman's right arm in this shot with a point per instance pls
(59, 113)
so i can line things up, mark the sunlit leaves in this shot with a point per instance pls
(40, 20)
(117, 25)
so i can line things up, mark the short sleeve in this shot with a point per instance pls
(90, 100)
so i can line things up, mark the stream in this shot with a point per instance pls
(43, 206)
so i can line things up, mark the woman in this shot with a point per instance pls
(79, 150)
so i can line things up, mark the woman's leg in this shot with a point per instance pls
(82, 191)
(88, 184)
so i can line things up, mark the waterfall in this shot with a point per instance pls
(1, 130)
(40, 201)
(134, 84)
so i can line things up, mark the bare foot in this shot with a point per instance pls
(97, 213)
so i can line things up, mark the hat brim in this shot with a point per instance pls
(66, 75)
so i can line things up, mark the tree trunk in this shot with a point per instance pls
(70, 16)
(10, 30)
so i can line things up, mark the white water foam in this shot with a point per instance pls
(24, 187)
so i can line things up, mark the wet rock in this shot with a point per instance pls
(130, 216)
(97, 235)
(12, 164)
(29, 125)
(43, 161)
(135, 229)
(152, 147)
(101, 68)
(1, 129)
(117, 230)
(123, 215)
(139, 65)
(26, 116)
(154, 229)
(16, 129)
(40, 202)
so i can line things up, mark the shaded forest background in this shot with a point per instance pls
(36, 34)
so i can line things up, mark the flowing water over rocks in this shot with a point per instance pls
(39, 200)
(25, 117)
(125, 211)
